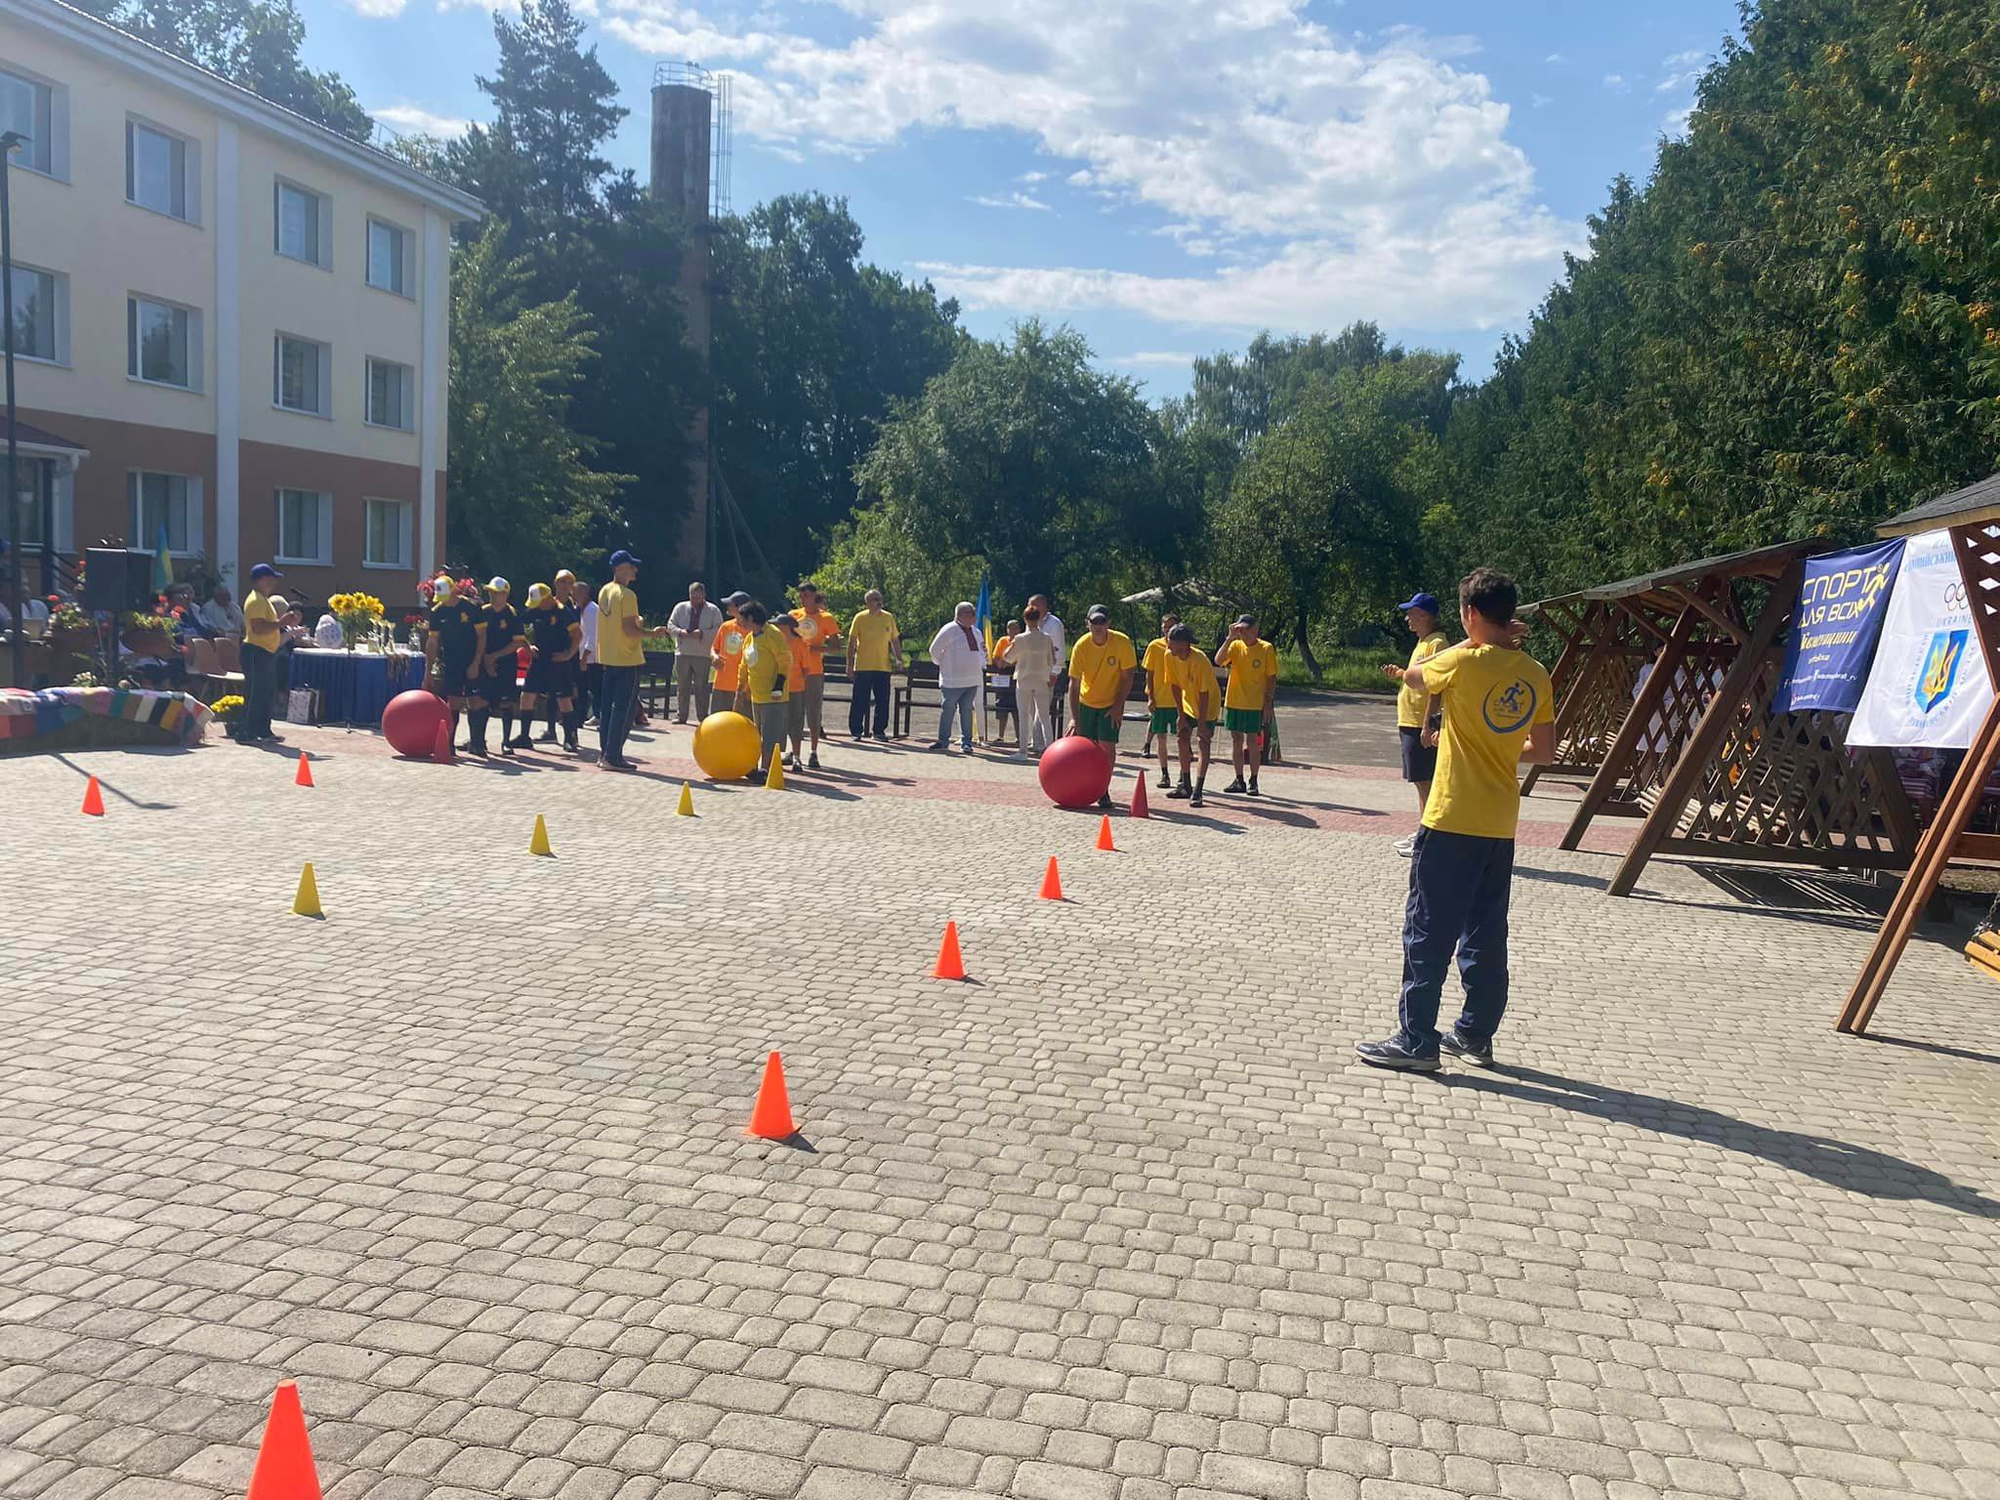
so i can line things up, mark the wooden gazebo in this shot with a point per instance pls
(1699, 755)
(1972, 516)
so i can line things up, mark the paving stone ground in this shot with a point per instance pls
(1119, 1218)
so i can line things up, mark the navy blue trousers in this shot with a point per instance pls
(1457, 906)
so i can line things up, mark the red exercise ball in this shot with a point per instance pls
(410, 722)
(1074, 771)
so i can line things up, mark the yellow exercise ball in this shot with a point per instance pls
(726, 746)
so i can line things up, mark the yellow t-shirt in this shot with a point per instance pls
(815, 633)
(1191, 677)
(1096, 667)
(1492, 697)
(260, 622)
(616, 602)
(1410, 701)
(868, 638)
(767, 658)
(730, 639)
(1251, 665)
(1159, 673)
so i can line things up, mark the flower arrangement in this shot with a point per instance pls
(84, 679)
(360, 615)
(227, 706)
(67, 617)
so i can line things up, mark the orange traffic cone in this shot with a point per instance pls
(1104, 833)
(949, 964)
(93, 800)
(1139, 807)
(305, 775)
(441, 751)
(1052, 883)
(284, 1459)
(772, 1116)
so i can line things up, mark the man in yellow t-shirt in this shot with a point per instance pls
(1415, 707)
(1101, 665)
(1162, 701)
(874, 646)
(817, 629)
(1498, 712)
(261, 639)
(1197, 705)
(760, 687)
(1246, 702)
(621, 651)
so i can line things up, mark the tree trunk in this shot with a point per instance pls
(1300, 639)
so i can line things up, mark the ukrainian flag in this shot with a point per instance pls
(163, 565)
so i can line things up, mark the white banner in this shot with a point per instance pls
(1928, 686)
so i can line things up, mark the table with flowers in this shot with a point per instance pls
(356, 683)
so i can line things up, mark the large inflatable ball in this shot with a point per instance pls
(410, 722)
(726, 746)
(1074, 771)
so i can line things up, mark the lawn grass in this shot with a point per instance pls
(1347, 669)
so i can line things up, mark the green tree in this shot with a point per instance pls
(1024, 455)
(811, 346)
(254, 43)
(522, 493)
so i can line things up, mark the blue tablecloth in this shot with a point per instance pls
(354, 686)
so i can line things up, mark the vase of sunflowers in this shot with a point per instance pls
(359, 615)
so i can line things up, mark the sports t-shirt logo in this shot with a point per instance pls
(809, 628)
(1508, 706)
(732, 642)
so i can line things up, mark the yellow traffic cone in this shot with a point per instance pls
(775, 778)
(539, 844)
(306, 902)
(686, 809)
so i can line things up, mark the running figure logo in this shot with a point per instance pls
(1508, 707)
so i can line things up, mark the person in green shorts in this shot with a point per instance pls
(1100, 672)
(1198, 700)
(1246, 702)
(1160, 700)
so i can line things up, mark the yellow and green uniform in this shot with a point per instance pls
(1160, 693)
(1194, 677)
(1493, 696)
(1410, 701)
(1253, 666)
(1097, 672)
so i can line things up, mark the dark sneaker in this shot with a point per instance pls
(1194, 797)
(1104, 802)
(1180, 793)
(546, 737)
(1393, 1054)
(1479, 1054)
(1165, 782)
(1251, 790)
(1235, 786)
(812, 762)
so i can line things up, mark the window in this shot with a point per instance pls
(391, 395)
(388, 541)
(162, 343)
(32, 477)
(301, 225)
(389, 257)
(169, 500)
(39, 330)
(305, 526)
(161, 171)
(28, 108)
(299, 370)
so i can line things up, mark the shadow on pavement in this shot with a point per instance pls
(104, 785)
(1857, 1169)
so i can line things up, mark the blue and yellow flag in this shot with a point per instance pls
(163, 565)
(985, 609)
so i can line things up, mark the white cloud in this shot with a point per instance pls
(1615, 81)
(1012, 200)
(1323, 169)
(1169, 358)
(1540, 101)
(1676, 122)
(377, 9)
(413, 119)
(1032, 177)
(1683, 70)
(1556, 58)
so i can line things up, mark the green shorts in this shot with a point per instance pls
(1163, 720)
(1100, 724)
(1189, 724)
(1244, 720)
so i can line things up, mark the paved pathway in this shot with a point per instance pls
(1120, 1218)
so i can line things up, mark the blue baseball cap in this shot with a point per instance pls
(265, 570)
(623, 557)
(1428, 603)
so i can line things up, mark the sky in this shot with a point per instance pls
(1167, 177)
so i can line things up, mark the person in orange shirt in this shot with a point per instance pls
(817, 629)
(728, 647)
(796, 679)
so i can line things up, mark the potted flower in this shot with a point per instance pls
(360, 616)
(146, 634)
(227, 707)
(70, 629)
